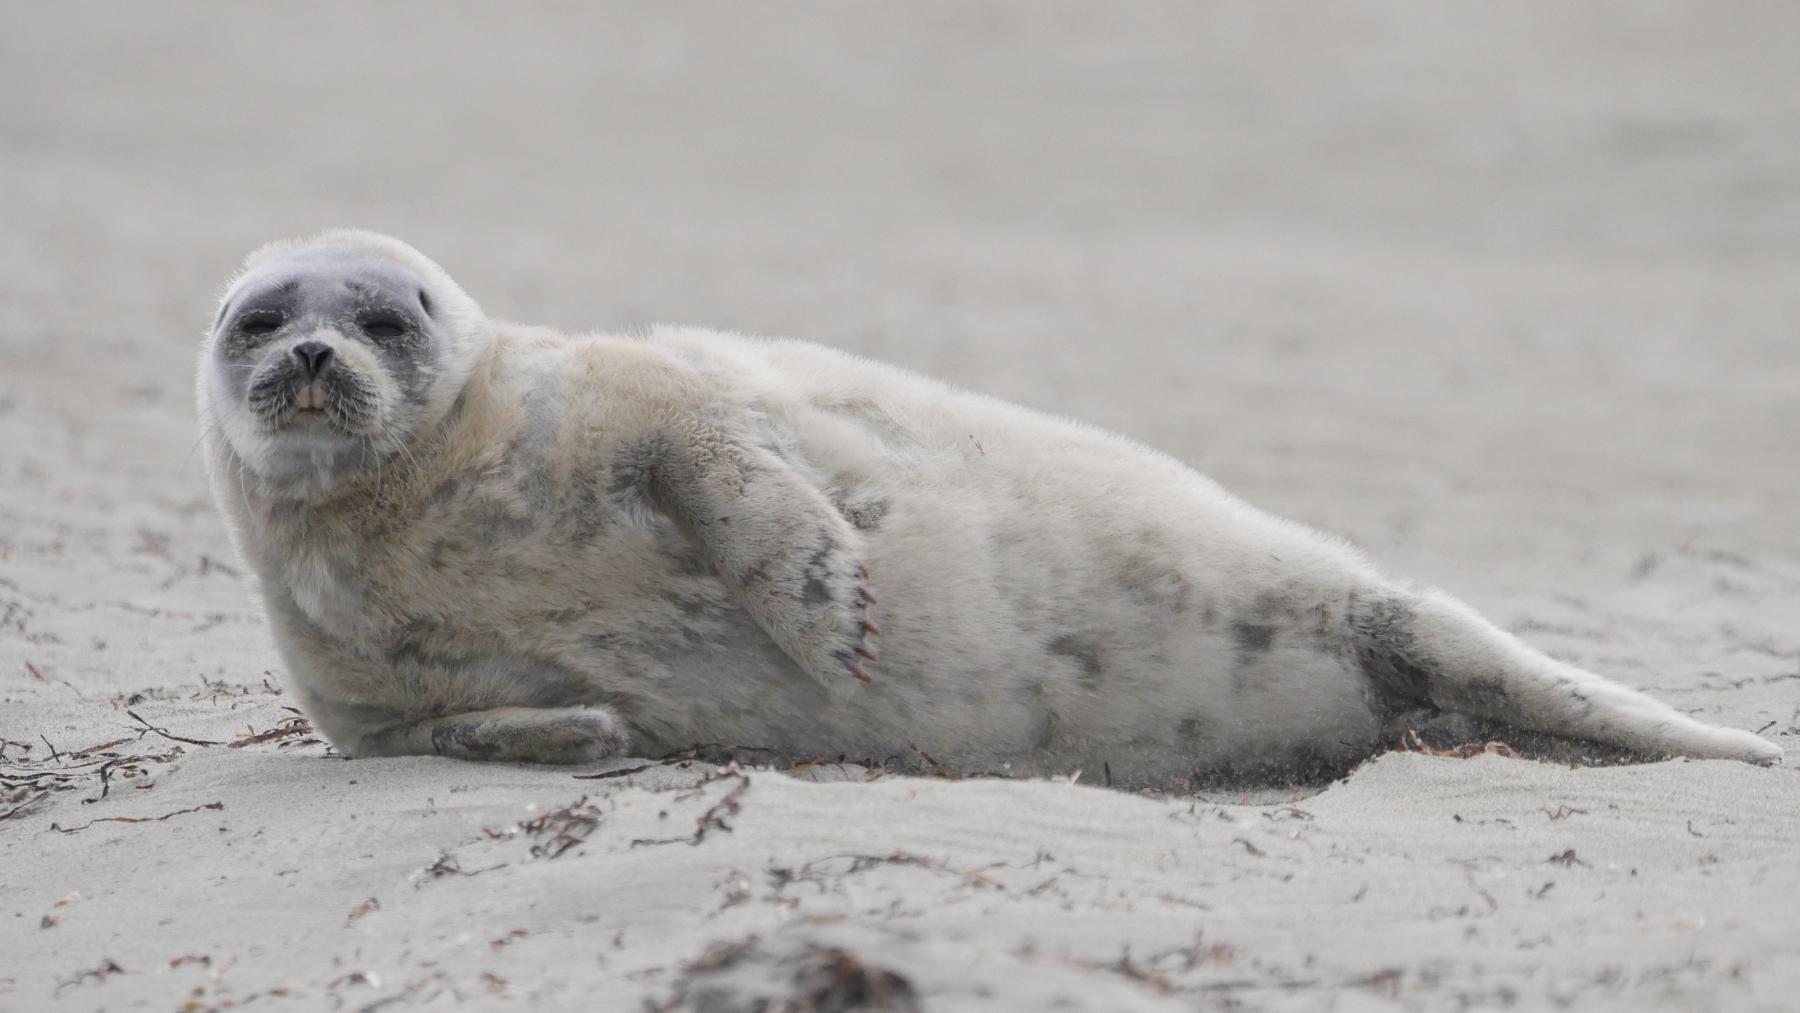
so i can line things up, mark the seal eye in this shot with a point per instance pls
(260, 323)
(383, 327)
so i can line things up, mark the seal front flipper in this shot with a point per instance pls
(516, 734)
(791, 559)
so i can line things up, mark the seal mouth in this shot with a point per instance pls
(339, 400)
(310, 399)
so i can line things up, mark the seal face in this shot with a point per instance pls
(322, 360)
(498, 542)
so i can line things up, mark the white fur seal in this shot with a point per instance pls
(493, 541)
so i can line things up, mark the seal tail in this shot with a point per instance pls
(1428, 646)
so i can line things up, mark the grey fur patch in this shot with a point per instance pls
(635, 467)
(757, 574)
(1382, 634)
(1031, 696)
(463, 740)
(1252, 638)
(1484, 693)
(1300, 609)
(866, 516)
(445, 493)
(527, 681)
(816, 591)
(1085, 653)
(1154, 583)
(438, 551)
(533, 483)
(690, 605)
(1191, 732)
(587, 511)
(496, 517)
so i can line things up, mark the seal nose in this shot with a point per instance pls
(314, 356)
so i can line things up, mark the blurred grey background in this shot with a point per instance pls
(1504, 291)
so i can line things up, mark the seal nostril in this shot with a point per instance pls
(314, 356)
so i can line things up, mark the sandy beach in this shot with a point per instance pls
(1506, 295)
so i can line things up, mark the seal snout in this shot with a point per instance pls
(314, 359)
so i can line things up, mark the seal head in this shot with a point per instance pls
(327, 355)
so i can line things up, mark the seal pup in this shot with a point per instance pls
(494, 541)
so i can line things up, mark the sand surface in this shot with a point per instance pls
(1507, 295)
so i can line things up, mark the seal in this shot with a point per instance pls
(499, 542)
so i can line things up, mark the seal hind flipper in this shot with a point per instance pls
(1431, 648)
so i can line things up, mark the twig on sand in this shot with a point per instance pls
(165, 733)
(132, 819)
(1568, 859)
(1126, 969)
(38, 674)
(27, 804)
(810, 872)
(107, 969)
(681, 757)
(625, 772)
(714, 817)
(286, 729)
(448, 865)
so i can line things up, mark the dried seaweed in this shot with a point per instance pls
(714, 817)
(134, 819)
(27, 781)
(107, 969)
(448, 864)
(565, 828)
(287, 728)
(165, 733)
